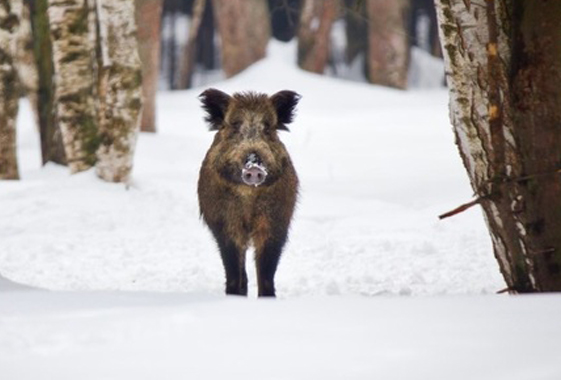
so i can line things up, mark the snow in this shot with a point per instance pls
(129, 284)
(177, 336)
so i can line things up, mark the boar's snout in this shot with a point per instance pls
(253, 176)
(253, 173)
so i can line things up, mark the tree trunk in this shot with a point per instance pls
(245, 30)
(388, 45)
(503, 70)
(74, 75)
(172, 48)
(120, 89)
(188, 55)
(356, 29)
(52, 148)
(148, 16)
(10, 16)
(284, 18)
(205, 54)
(316, 19)
(428, 41)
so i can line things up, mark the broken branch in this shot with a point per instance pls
(460, 209)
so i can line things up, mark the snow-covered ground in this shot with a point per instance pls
(136, 282)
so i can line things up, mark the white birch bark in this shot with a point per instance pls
(464, 35)
(120, 89)
(71, 38)
(10, 16)
(476, 42)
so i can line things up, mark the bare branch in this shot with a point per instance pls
(461, 208)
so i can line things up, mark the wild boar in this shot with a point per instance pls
(247, 184)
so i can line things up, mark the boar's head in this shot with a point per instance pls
(247, 149)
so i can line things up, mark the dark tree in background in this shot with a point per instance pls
(205, 49)
(356, 29)
(52, 148)
(316, 18)
(284, 18)
(423, 26)
(504, 69)
(172, 9)
(188, 57)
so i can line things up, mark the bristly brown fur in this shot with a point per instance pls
(237, 214)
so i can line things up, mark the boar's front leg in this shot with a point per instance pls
(233, 259)
(266, 260)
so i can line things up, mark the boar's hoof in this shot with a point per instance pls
(253, 176)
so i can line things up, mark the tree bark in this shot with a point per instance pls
(120, 89)
(74, 76)
(503, 67)
(388, 45)
(245, 30)
(148, 15)
(316, 19)
(10, 16)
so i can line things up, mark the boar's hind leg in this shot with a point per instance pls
(233, 259)
(266, 260)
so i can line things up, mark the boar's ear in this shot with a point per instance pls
(215, 103)
(284, 103)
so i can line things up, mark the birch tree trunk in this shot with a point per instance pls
(245, 30)
(503, 71)
(148, 17)
(316, 19)
(388, 44)
(10, 16)
(75, 83)
(120, 89)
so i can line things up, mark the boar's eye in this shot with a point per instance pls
(236, 125)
